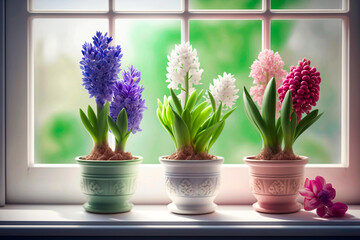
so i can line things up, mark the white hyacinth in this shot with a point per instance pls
(224, 90)
(183, 59)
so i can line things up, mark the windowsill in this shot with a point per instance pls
(146, 220)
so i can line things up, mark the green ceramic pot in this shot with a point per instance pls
(108, 185)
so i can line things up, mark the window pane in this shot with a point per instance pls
(146, 45)
(146, 5)
(306, 4)
(58, 93)
(319, 41)
(228, 4)
(229, 46)
(69, 5)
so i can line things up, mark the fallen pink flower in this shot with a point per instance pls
(319, 195)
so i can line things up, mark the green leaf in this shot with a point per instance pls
(285, 115)
(169, 115)
(202, 138)
(191, 101)
(186, 116)
(279, 132)
(198, 109)
(199, 96)
(306, 122)
(92, 116)
(102, 127)
(176, 101)
(114, 129)
(160, 105)
(253, 114)
(268, 107)
(181, 131)
(122, 122)
(212, 100)
(166, 126)
(216, 134)
(88, 126)
(218, 113)
(199, 120)
(293, 123)
(227, 114)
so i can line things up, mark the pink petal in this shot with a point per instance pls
(321, 211)
(332, 192)
(321, 181)
(338, 209)
(315, 186)
(311, 204)
(307, 183)
(306, 193)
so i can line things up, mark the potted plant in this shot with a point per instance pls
(276, 173)
(194, 123)
(108, 177)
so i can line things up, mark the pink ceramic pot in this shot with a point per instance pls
(275, 184)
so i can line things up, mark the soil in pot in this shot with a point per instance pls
(187, 153)
(268, 154)
(104, 152)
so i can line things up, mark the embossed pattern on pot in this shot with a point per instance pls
(275, 186)
(192, 187)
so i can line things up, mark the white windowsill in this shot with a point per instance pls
(147, 220)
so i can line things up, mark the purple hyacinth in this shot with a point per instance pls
(128, 95)
(100, 67)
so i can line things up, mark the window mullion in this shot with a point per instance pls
(185, 22)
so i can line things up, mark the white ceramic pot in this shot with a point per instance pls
(192, 185)
(276, 183)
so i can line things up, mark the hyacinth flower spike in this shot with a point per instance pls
(297, 96)
(126, 109)
(193, 125)
(100, 66)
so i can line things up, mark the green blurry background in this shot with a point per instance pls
(222, 45)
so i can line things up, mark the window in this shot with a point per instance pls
(42, 103)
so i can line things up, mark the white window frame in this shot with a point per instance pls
(27, 182)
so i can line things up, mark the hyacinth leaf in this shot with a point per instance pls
(227, 114)
(88, 125)
(212, 100)
(181, 131)
(268, 106)
(217, 114)
(176, 101)
(199, 96)
(186, 116)
(293, 123)
(201, 120)
(169, 115)
(253, 114)
(216, 134)
(114, 129)
(92, 116)
(279, 132)
(102, 127)
(202, 138)
(306, 122)
(122, 122)
(166, 126)
(195, 113)
(160, 105)
(285, 115)
(191, 101)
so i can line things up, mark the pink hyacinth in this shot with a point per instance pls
(268, 66)
(304, 83)
(319, 195)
